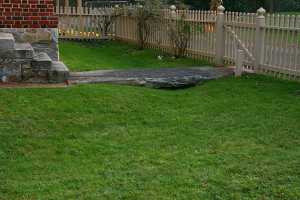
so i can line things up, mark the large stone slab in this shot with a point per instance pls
(168, 78)
(171, 82)
(7, 41)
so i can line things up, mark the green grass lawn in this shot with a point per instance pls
(227, 139)
(115, 55)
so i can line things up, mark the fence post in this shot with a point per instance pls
(116, 23)
(220, 37)
(239, 63)
(66, 3)
(259, 38)
(57, 6)
(79, 7)
(173, 11)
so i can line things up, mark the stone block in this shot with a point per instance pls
(6, 54)
(59, 72)
(41, 61)
(27, 72)
(11, 71)
(7, 41)
(24, 50)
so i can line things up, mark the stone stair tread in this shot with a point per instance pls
(23, 46)
(58, 66)
(41, 61)
(42, 57)
(24, 50)
(7, 41)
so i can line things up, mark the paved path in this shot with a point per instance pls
(157, 78)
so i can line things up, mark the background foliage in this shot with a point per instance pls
(233, 5)
(249, 5)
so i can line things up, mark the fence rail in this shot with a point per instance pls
(271, 42)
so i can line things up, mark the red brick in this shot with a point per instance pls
(17, 26)
(16, 9)
(35, 18)
(7, 5)
(25, 6)
(33, 10)
(36, 26)
(7, 13)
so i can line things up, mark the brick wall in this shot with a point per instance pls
(27, 14)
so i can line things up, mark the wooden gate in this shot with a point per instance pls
(268, 44)
(240, 30)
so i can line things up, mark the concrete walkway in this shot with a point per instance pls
(156, 78)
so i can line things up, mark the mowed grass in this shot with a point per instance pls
(227, 139)
(86, 56)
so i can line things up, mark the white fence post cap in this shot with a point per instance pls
(173, 7)
(221, 9)
(261, 11)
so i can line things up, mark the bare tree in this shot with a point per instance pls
(214, 4)
(146, 14)
(179, 31)
(107, 18)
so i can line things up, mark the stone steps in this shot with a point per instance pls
(19, 62)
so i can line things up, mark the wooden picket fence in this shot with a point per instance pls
(277, 50)
(270, 42)
(83, 23)
(202, 40)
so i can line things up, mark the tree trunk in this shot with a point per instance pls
(271, 5)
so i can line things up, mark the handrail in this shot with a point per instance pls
(240, 43)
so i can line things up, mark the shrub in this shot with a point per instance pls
(179, 31)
